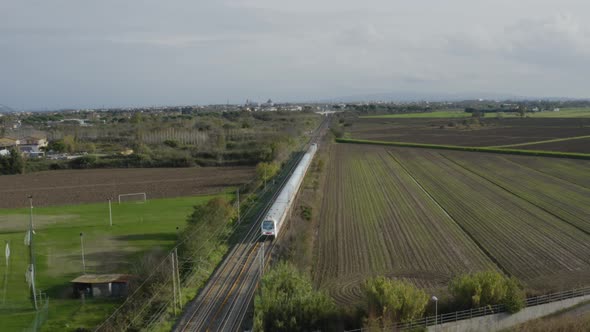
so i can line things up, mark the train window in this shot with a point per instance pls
(267, 224)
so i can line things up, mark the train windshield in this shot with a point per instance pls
(267, 225)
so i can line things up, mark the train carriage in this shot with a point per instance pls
(277, 215)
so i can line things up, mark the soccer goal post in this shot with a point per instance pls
(134, 197)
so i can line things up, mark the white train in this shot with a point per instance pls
(275, 218)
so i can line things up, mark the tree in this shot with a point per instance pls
(286, 301)
(393, 300)
(216, 209)
(479, 289)
(69, 142)
(137, 118)
(17, 162)
(13, 163)
(220, 143)
(56, 146)
(205, 226)
(265, 171)
(515, 297)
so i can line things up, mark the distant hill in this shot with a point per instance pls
(410, 96)
(5, 109)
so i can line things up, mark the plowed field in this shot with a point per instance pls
(425, 216)
(492, 132)
(87, 186)
(377, 220)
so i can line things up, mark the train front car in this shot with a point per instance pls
(268, 228)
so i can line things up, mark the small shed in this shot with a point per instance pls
(102, 285)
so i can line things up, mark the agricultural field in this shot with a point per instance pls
(377, 220)
(489, 131)
(573, 171)
(96, 185)
(453, 113)
(137, 231)
(565, 200)
(572, 145)
(443, 114)
(526, 239)
(427, 215)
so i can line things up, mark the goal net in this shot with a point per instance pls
(133, 198)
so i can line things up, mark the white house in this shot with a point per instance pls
(30, 146)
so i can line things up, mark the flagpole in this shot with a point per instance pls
(7, 255)
(32, 253)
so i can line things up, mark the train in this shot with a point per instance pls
(277, 215)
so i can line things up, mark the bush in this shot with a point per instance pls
(392, 300)
(337, 132)
(306, 213)
(171, 143)
(83, 162)
(487, 288)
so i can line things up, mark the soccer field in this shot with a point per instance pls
(137, 228)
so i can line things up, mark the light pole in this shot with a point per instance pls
(82, 245)
(435, 299)
(110, 212)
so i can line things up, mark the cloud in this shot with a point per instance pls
(68, 53)
(559, 41)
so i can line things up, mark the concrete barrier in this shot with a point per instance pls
(501, 321)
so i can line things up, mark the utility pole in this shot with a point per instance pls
(265, 179)
(110, 212)
(178, 277)
(32, 254)
(173, 260)
(238, 205)
(83, 258)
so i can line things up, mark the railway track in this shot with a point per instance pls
(223, 303)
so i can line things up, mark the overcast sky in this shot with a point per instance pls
(72, 53)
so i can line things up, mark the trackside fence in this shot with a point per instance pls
(483, 311)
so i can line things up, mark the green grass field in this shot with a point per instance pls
(564, 113)
(449, 114)
(137, 228)
(433, 115)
